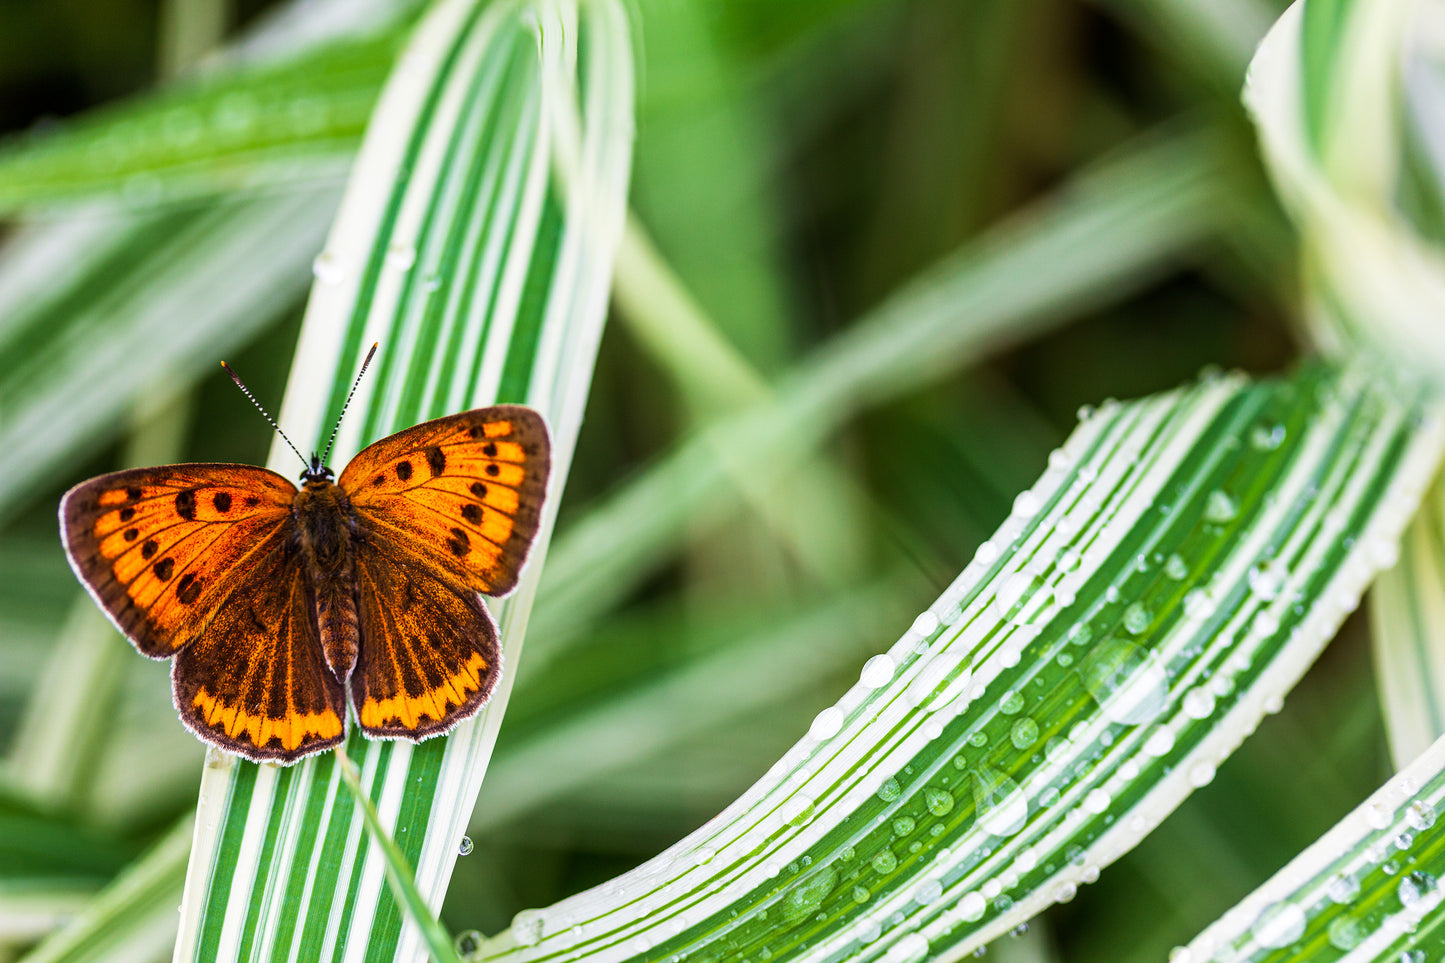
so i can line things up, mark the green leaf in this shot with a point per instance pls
(1176, 569)
(475, 243)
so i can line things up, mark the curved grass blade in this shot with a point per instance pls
(1173, 573)
(475, 244)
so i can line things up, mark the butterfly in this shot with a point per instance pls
(275, 603)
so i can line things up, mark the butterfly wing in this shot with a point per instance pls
(155, 546)
(429, 655)
(198, 562)
(461, 495)
(450, 508)
(256, 681)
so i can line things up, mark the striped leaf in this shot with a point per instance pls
(1367, 890)
(475, 243)
(1173, 573)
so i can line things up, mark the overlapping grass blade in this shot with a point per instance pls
(1407, 615)
(287, 121)
(134, 916)
(1367, 890)
(1112, 229)
(475, 243)
(1169, 578)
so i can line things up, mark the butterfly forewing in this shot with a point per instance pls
(461, 495)
(156, 546)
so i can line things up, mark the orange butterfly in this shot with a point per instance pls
(273, 601)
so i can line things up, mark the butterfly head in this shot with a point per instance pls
(316, 471)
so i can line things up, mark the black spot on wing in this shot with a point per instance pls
(403, 470)
(148, 548)
(131, 534)
(132, 493)
(222, 501)
(164, 568)
(436, 460)
(479, 489)
(188, 589)
(493, 470)
(126, 514)
(459, 543)
(490, 449)
(186, 504)
(472, 513)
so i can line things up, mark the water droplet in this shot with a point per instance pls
(468, 942)
(1027, 505)
(1198, 604)
(1097, 801)
(1137, 618)
(877, 672)
(1025, 733)
(925, 625)
(884, 861)
(703, 856)
(971, 908)
(1128, 683)
(1346, 933)
(797, 809)
(401, 256)
(1378, 815)
(1266, 579)
(1220, 508)
(1011, 704)
(1199, 703)
(1061, 459)
(860, 894)
(328, 268)
(910, 949)
(1343, 889)
(904, 825)
(889, 790)
(527, 927)
(465, 847)
(1022, 598)
(1175, 568)
(1201, 774)
(998, 802)
(826, 724)
(1267, 437)
(804, 899)
(1160, 742)
(938, 801)
(1279, 926)
(927, 892)
(1420, 814)
(1415, 887)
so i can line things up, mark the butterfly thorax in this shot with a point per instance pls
(327, 531)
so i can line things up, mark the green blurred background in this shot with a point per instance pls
(796, 164)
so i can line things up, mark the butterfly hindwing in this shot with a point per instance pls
(429, 655)
(461, 494)
(255, 683)
(156, 546)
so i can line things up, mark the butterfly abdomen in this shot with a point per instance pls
(328, 529)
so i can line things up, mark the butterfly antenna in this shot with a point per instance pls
(346, 404)
(247, 392)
